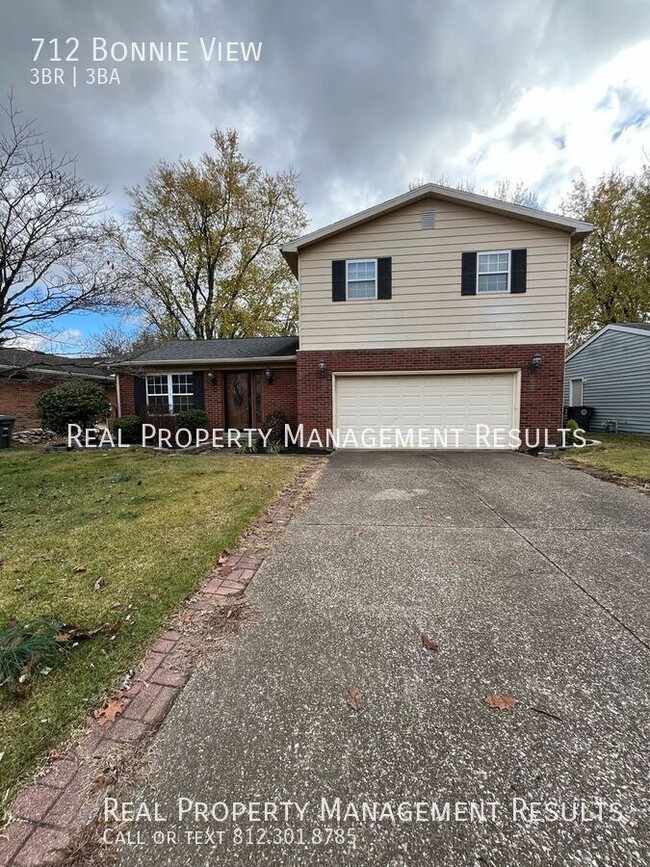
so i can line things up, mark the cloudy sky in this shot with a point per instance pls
(360, 96)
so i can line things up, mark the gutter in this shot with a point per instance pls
(97, 376)
(196, 363)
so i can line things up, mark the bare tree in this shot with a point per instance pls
(506, 190)
(54, 255)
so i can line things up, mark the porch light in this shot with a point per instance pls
(268, 373)
(322, 367)
(212, 376)
(535, 363)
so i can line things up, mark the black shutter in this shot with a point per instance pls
(338, 280)
(518, 275)
(385, 278)
(468, 278)
(198, 378)
(140, 394)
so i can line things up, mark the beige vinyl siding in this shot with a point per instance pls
(427, 308)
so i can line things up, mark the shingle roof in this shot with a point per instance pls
(642, 326)
(216, 350)
(33, 361)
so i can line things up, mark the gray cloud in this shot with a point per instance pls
(359, 96)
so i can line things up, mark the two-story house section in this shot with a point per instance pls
(436, 309)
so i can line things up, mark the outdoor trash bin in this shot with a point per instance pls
(6, 429)
(581, 414)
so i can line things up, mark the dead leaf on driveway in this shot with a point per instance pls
(430, 644)
(500, 702)
(428, 516)
(356, 699)
(54, 754)
(111, 710)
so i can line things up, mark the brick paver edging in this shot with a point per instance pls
(68, 795)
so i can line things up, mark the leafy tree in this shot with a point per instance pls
(610, 271)
(82, 403)
(200, 251)
(53, 250)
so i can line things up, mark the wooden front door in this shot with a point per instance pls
(238, 400)
(244, 399)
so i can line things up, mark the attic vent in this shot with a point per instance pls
(428, 220)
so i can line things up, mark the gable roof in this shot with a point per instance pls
(32, 361)
(235, 349)
(577, 229)
(636, 328)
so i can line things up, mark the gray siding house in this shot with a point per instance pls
(611, 372)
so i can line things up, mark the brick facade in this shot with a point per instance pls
(306, 397)
(18, 397)
(541, 392)
(279, 394)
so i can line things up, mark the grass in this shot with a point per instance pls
(149, 525)
(623, 454)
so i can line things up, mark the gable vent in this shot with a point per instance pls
(427, 220)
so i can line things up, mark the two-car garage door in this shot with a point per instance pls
(464, 405)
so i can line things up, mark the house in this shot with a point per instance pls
(611, 373)
(26, 373)
(436, 309)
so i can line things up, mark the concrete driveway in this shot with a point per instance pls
(533, 579)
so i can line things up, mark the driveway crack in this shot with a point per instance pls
(542, 553)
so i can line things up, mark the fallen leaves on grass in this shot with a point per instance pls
(79, 569)
(108, 713)
(99, 584)
(430, 644)
(356, 699)
(500, 702)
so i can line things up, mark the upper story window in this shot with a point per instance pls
(493, 272)
(170, 392)
(361, 279)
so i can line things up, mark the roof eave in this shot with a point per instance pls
(100, 377)
(196, 363)
(576, 228)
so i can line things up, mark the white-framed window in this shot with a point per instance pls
(170, 392)
(493, 272)
(360, 279)
(576, 391)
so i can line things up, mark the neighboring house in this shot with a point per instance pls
(435, 309)
(24, 374)
(611, 373)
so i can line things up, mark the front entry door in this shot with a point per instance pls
(238, 400)
(243, 399)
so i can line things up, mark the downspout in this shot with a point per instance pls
(117, 395)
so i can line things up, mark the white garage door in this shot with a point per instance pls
(464, 410)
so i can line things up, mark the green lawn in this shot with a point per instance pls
(623, 454)
(150, 525)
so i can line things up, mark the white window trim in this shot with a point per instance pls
(170, 392)
(581, 380)
(493, 253)
(358, 262)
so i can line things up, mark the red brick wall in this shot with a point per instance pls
(18, 397)
(541, 392)
(281, 394)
